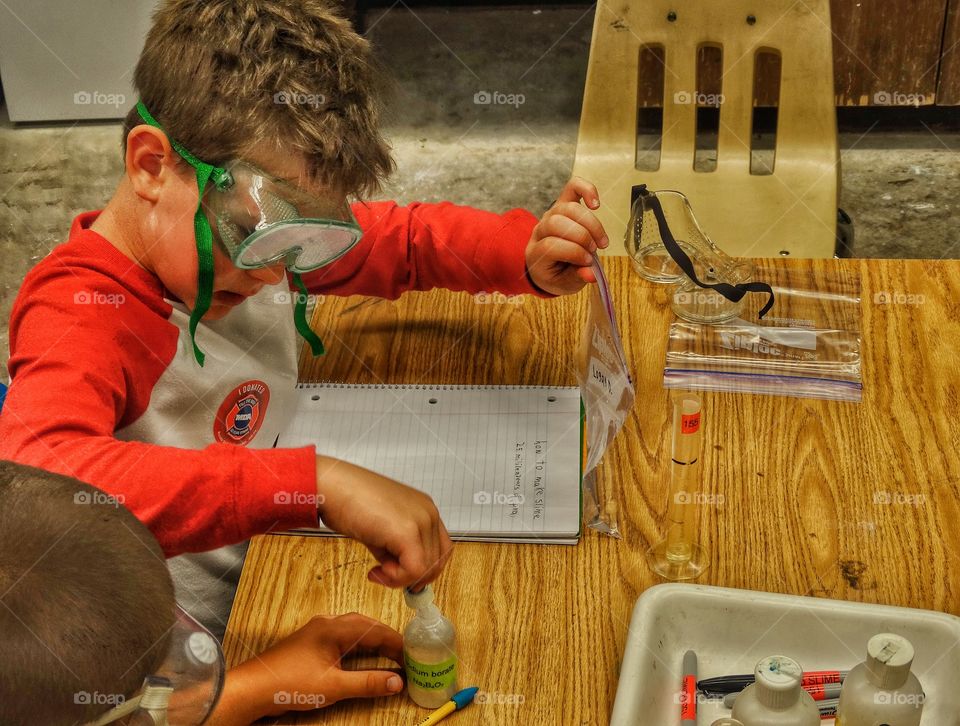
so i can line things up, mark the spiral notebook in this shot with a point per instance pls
(502, 463)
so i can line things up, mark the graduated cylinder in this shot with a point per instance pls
(679, 556)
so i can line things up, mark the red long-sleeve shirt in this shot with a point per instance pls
(104, 386)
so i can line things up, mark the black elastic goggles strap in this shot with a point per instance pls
(733, 293)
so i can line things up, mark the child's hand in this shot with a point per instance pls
(303, 671)
(559, 253)
(398, 524)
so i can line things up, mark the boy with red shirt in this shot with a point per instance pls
(150, 355)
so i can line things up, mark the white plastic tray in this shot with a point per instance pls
(730, 630)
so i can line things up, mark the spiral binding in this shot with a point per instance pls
(430, 386)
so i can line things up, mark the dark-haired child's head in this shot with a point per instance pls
(86, 600)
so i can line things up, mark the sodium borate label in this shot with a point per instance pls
(431, 676)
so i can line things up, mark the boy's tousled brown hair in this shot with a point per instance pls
(86, 600)
(226, 76)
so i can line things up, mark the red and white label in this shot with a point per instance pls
(241, 414)
(690, 423)
(688, 704)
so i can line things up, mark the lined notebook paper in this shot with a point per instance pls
(500, 462)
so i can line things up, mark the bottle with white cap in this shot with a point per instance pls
(776, 697)
(429, 652)
(882, 689)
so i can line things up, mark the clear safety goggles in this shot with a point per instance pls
(263, 221)
(185, 689)
(260, 221)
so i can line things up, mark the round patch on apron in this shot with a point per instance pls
(241, 413)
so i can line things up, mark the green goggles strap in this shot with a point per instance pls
(300, 318)
(204, 235)
(222, 179)
(201, 230)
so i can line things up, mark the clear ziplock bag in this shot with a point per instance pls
(606, 389)
(804, 341)
(807, 345)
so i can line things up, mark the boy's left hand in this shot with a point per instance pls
(560, 251)
(304, 671)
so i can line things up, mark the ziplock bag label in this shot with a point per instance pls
(608, 394)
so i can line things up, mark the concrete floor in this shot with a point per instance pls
(901, 188)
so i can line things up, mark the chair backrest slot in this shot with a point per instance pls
(708, 99)
(766, 111)
(650, 72)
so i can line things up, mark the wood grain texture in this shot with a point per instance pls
(890, 48)
(851, 501)
(948, 84)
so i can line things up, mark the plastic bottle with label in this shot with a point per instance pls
(776, 697)
(882, 689)
(429, 652)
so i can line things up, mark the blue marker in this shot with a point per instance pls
(460, 699)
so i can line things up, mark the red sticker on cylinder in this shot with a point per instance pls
(690, 423)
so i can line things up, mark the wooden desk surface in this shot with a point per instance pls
(804, 484)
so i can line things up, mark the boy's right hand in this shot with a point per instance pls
(398, 524)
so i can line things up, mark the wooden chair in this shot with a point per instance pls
(791, 211)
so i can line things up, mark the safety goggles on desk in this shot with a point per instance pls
(185, 689)
(261, 221)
